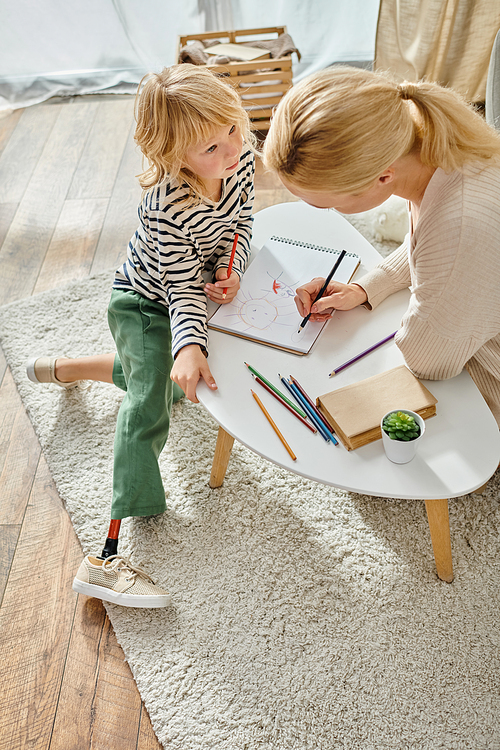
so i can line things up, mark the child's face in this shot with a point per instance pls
(218, 157)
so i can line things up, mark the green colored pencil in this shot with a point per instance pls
(280, 394)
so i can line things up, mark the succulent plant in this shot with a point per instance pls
(401, 426)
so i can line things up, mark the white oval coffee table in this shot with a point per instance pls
(461, 449)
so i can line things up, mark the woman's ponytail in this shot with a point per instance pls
(449, 131)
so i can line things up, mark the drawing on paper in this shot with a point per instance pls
(279, 287)
(264, 309)
(247, 313)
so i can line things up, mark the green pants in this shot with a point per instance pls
(141, 330)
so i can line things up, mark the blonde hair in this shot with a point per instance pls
(176, 109)
(338, 130)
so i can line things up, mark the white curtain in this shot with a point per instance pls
(64, 47)
(325, 31)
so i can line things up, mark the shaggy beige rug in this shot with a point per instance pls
(303, 617)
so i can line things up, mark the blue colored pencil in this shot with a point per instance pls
(311, 403)
(301, 401)
(293, 393)
(312, 416)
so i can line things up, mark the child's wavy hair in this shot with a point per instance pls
(339, 129)
(177, 108)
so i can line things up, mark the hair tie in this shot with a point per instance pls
(406, 91)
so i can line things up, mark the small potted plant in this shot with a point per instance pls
(402, 430)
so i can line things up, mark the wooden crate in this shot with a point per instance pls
(260, 83)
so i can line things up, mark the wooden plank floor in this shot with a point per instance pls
(68, 206)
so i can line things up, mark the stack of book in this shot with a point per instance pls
(356, 410)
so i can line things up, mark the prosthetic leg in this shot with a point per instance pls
(111, 545)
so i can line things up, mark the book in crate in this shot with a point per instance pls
(355, 411)
(239, 51)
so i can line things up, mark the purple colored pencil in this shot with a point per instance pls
(362, 354)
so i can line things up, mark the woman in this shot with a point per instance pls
(347, 139)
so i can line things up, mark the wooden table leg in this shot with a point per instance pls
(439, 526)
(481, 489)
(221, 458)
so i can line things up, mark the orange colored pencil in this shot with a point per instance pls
(273, 425)
(284, 403)
(231, 261)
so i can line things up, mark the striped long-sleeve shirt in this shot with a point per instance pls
(174, 245)
(451, 262)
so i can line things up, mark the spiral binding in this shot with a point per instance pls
(321, 248)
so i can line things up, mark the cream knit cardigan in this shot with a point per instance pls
(451, 262)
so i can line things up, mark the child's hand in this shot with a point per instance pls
(232, 284)
(336, 297)
(190, 365)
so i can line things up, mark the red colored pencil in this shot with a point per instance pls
(231, 261)
(284, 403)
(312, 404)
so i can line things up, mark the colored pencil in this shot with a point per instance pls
(284, 403)
(273, 425)
(278, 392)
(231, 261)
(295, 393)
(362, 354)
(312, 416)
(312, 405)
(323, 288)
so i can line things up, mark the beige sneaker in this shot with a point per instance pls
(42, 370)
(116, 580)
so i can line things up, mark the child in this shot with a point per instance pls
(198, 193)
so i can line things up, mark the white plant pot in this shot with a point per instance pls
(401, 451)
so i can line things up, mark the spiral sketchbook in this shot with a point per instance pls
(264, 309)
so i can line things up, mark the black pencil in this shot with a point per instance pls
(323, 288)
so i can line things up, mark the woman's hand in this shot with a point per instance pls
(336, 297)
(190, 365)
(232, 284)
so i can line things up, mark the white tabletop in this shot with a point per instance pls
(461, 446)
